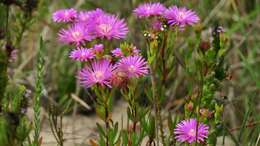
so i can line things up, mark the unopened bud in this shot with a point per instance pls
(189, 106)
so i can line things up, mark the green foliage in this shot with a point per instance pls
(188, 80)
(39, 91)
(3, 74)
(15, 127)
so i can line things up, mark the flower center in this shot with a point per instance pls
(132, 68)
(181, 15)
(99, 75)
(83, 54)
(148, 10)
(84, 17)
(76, 34)
(66, 14)
(192, 132)
(105, 28)
(121, 74)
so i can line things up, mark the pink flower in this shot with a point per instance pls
(119, 78)
(89, 16)
(64, 15)
(136, 51)
(181, 16)
(98, 48)
(149, 9)
(100, 72)
(133, 66)
(109, 27)
(82, 54)
(117, 52)
(76, 34)
(185, 131)
(157, 25)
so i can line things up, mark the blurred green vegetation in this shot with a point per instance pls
(239, 18)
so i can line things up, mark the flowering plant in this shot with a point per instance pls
(106, 69)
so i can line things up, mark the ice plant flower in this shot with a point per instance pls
(89, 16)
(157, 25)
(119, 78)
(64, 15)
(149, 9)
(76, 34)
(82, 54)
(180, 16)
(99, 72)
(117, 52)
(98, 48)
(135, 51)
(109, 27)
(185, 131)
(133, 66)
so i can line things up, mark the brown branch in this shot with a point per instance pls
(250, 125)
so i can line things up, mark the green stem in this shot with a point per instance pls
(154, 92)
(4, 63)
(133, 105)
(3, 75)
(39, 88)
(164, 44)
(105, 99)
(155, 103)
(198, 103)
(7, 22)
(107, 124)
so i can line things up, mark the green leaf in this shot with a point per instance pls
(100, 130)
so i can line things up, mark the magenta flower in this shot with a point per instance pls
(98, 48)
(133, 66)
(136, 51)
(76, 34)
(89, 16)
(64, 15)
(157, 25)
(82, 54)
(185, 131)
(149, 9)
(117, 52)
(119, 78)
(109, 26)
(100, 72)
(181, 16)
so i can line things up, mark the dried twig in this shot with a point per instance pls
(81, 102)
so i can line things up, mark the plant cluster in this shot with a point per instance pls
(168, 65)
(106, 69)
(15, 126)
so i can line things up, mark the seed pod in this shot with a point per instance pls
(189, 106)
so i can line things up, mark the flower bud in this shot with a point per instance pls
(206, 113)
(204, 46)
(189, 106)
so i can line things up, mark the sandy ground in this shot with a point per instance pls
(79, 129)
